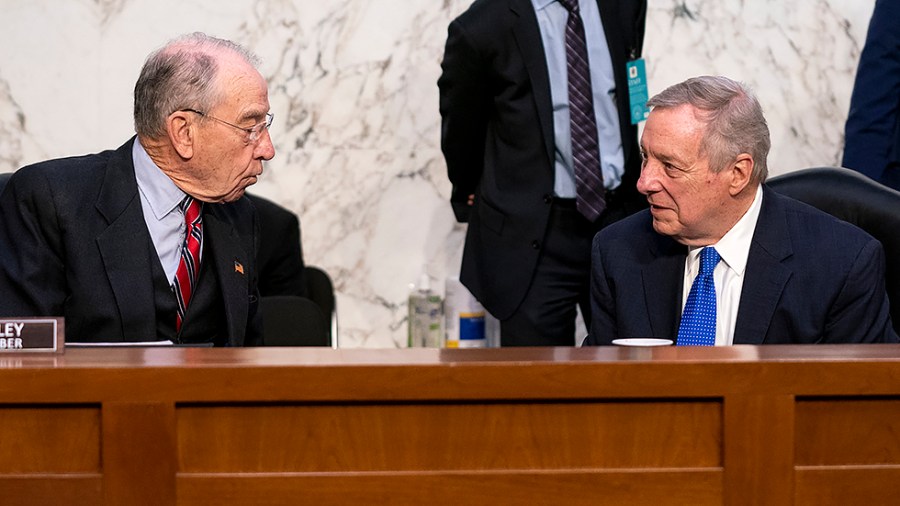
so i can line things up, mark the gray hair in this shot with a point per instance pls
(734, 120)
(180, 75)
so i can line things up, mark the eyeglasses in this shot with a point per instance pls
(253, 133)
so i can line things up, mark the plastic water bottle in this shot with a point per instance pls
(465, 317)
(426, 316)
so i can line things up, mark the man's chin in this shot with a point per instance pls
(235, 195)
(662, 227)
(239, 191)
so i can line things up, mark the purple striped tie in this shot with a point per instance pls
(590, 199)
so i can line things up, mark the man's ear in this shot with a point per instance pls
(741, 173)
(180, 127)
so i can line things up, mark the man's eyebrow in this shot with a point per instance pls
(672, 158)
(664, 157)
(253, 115)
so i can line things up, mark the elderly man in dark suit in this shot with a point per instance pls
(152, 241)
(541, 151)
(719, 258)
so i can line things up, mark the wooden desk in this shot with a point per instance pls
(191, 426)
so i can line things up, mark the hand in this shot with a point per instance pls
(471, 200)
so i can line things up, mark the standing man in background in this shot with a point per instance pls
(872, 133)
(153, 241)
(540, 149)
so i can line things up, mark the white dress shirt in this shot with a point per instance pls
(733, 248)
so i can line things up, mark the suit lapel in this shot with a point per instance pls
(662, 277)
(528, 38)
(765, 277)
(609, 15)
(620, 52)
(231, 266)
(124, 246)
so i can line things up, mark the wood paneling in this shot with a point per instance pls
(139, 453)
(759, 450)
(732, 425)
(67, 489)
(849, 485)
(569, 488)
(49, 439)
(399, 437)
(843, 431)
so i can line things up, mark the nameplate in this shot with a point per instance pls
(32, 334)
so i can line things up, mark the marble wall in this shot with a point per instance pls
(357, 132)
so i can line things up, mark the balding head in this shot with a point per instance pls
(181, 75)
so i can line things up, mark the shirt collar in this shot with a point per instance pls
(541, 4)
(734, 246)
(159, 191)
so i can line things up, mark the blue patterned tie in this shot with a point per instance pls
(698, 322)
(589, 191)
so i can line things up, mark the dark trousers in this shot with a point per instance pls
(561, 280)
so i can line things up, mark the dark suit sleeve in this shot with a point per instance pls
(861, 313)
(872, 124)
(603, 311)
(464, 106)
(32, 267)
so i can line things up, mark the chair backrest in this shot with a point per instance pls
(321, 290)
(289, 320)
(853, 197)
(4, 177)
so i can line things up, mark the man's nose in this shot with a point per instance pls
(265, 149)
(649, 180)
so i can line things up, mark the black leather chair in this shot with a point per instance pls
(4, 177)
(853, 197)
(321, 291)
(289, 320)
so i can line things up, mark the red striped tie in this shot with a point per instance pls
(189, 266)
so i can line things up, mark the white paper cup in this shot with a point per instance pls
(642, 341)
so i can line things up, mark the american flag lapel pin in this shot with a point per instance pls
(238, 267)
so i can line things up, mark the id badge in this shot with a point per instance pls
(637, 90)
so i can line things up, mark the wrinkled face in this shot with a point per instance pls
(226, 161)
(687, 201)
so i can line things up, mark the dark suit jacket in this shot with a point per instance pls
(76, 245)
(497, 137)
(810, 278)
(280, 256)
(873, 124)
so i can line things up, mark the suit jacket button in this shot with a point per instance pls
(547, 198)
(536, 245)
